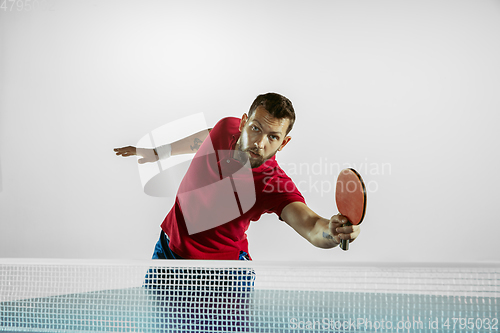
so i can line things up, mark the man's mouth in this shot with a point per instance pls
(253, 155)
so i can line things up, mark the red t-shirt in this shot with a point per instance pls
(219, 196)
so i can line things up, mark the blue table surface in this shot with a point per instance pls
(143, 310)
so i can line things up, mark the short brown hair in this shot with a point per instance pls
(277, 105)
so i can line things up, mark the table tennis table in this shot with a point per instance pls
(234, 309)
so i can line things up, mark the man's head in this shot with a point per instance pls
(277, 105)
(264, 131)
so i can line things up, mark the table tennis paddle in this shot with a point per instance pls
(350, 196)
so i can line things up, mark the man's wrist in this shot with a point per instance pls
(330, 239)
(163, 152)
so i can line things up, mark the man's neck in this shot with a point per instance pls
(237, 153)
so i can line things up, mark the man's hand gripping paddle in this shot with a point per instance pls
(350, 196)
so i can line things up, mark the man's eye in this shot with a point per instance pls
(274, 137)
(255, 128)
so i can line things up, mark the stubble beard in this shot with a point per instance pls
(255, 162)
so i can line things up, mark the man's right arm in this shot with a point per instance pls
(190, 144)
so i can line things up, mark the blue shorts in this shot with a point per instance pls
(163, 251)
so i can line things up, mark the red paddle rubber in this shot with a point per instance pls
(350, 197)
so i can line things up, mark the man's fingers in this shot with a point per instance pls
(336, 225)
(344, 230)
(339, 219)
(125, 151)
(344, 236)
(349, 233)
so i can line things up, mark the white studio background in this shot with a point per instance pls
(407, 92)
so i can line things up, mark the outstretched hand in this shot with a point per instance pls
(148, 155)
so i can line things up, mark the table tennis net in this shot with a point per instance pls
(213, 296)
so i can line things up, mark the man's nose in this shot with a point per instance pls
(260, 142)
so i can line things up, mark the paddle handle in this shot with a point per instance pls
(344, 244)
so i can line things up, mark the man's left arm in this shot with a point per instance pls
(321, 232)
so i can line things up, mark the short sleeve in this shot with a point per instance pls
(284, 192)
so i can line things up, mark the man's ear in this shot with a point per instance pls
(243, 121)
(285, 141)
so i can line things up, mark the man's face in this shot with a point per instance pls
(262, 136)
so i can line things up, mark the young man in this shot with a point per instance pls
(234, 179)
